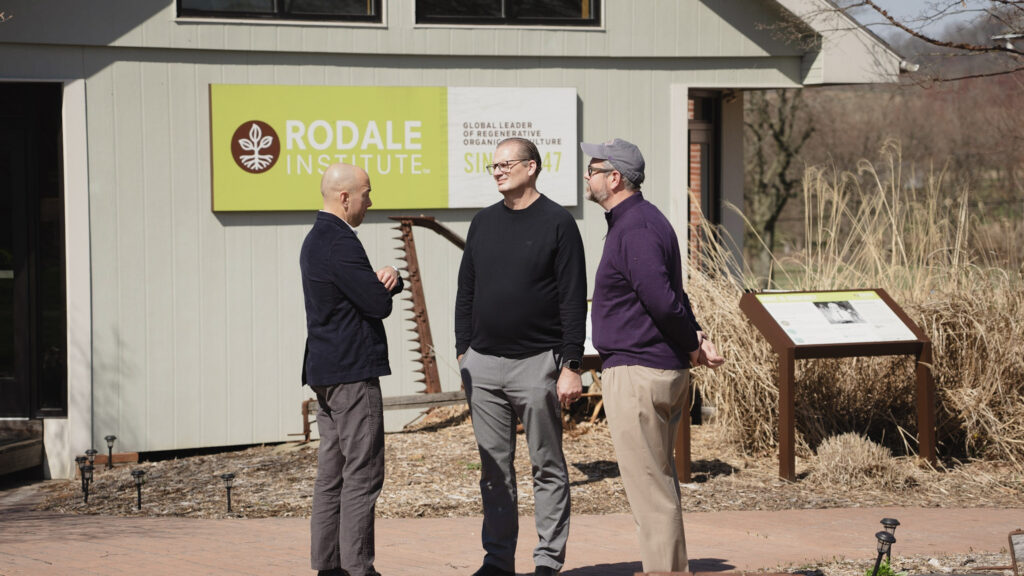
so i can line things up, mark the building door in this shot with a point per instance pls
(33, 305)
(703, 137)
(704, 127)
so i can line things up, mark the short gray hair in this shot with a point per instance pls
(626, 182)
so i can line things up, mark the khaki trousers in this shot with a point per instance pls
(644, 406)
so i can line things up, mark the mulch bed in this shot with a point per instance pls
(432, 470)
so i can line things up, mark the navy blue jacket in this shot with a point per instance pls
(345, 303)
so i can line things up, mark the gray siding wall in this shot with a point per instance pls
(197, 318)
(630, 28)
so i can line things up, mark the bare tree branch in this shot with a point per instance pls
(965, 46)
(979, 75)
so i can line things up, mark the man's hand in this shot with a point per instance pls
(707, 353)
(388, 276)
(570, 387)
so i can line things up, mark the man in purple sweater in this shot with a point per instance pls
(648, 338)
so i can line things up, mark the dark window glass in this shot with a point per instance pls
(261, 6)
(330, 7)
(459, 9)
(551, 8)
(357, 10)
(510, 12)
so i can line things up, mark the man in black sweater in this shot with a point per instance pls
(346, 353)
(520, 322)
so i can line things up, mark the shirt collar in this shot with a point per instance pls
(354, 231)
(622, 207)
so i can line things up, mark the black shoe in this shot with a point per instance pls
(491, 570)
(332, 572)
(545, 571)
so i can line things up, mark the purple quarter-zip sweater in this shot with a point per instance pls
(640, 314)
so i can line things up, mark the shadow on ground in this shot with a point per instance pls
(616, 569)
(704, 470)
(631, 568)
(596, 471)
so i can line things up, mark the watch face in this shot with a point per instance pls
(573, 364)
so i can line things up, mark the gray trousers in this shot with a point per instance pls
(349, 476)
(499, 390)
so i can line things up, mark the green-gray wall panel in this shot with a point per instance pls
(198, 326)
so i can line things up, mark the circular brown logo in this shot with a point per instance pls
(255, 147)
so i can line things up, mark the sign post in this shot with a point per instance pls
(839, 324)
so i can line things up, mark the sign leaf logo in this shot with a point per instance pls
(255, 146)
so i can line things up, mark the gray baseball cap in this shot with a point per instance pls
(623, 156)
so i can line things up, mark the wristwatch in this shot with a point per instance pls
(573, 365)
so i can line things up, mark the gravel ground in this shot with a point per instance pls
(974, 563)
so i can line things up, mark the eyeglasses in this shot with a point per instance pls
(505, 166)
(592, 170)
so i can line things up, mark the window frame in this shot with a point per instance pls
(280, 15)
(595, 21)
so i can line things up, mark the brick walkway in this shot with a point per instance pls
(42, 543)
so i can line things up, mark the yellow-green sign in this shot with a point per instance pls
(270, 144)
(423, 147)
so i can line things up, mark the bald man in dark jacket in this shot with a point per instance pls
(346, 354)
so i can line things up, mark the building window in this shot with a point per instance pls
(349, 10)
(509, 12)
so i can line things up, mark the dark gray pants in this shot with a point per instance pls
(349, 477)
(499, 390)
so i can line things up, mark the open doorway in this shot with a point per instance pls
(33, 302)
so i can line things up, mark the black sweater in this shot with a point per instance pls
(522, 283)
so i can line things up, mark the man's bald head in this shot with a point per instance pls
(346, 192)
(339, 177)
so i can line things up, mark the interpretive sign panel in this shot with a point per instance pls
(838, 324)
(835, 317)
(423, 147)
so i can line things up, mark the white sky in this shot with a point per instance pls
(908, 10)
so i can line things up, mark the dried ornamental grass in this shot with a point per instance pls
(917, 246)
(853, 460)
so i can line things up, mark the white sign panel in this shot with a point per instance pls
(836, 317)
(479, 118)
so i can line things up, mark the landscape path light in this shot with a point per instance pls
(82, 462)
(885, 542)
(890, 525)
(110, 450)
(138, 475)
(91, 453)
(87, 479)
(228, 479)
